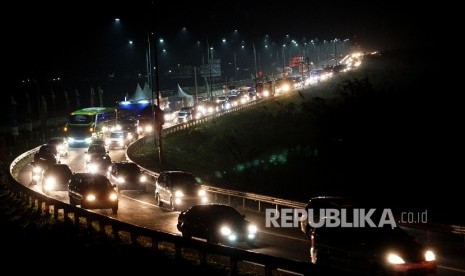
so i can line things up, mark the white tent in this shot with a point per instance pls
(139, 94)
(189, 100)
(147, 91)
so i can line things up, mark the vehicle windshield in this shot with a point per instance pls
(129, 169)
(81, 119)
(117, 135)
(96, 149)
(183, 181)
(95, 182)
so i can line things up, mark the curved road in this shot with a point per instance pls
(139, 208)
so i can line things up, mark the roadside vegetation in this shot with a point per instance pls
(361, 133)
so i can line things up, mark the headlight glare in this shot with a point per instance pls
(430, 256)
(395, 259)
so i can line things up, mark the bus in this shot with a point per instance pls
(90, 123)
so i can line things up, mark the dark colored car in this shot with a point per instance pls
(95, 150)
(127, 176)
(99, 164)
(145, 126)
(98, 142)
(61, 144)
(379, 250)
(179, 190)
(56, 178)
(92, 191)
(45, 157)
(130, 125)
(216, 223)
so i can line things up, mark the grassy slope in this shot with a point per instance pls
(378, 133)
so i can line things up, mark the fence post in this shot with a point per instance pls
(47, 208)
(154, 244)
(268, 270)
(115, 232)
(177, 250)
(202, 257)
(233, 265)
(101, 227)
(76, 218)
(88, 223)
(55, 211)
(133, 238)
(259, 209)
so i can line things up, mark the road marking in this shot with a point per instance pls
(140, 201)
(451, 268)
(283, 236)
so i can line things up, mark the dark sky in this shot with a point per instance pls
(78, 40)
(46, 36)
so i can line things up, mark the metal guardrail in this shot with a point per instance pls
(262, 200)
(48, 205)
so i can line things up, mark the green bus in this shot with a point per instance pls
(89, 123)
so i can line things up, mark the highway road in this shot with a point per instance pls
(139, 208)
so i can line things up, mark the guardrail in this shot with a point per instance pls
(51, 206)
(245, 199)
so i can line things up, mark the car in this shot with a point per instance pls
(56, 178)
(99, 164)
(185, 114)
(119, 139)
(61, 143)
(178, 189)
(46, 156)
(216, 223)
(92, 191)
(95, 150)
(130, 125)
(145, 126)
(98, 142)
(379, 250)
(127, 176)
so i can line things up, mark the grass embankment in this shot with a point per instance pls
(373, 132)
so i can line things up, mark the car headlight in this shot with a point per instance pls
(202, 192)
(148, 128)
(88, 140)
(178, 194)
(143, 178)
(50, 183)
(93, 168)
(70, 139)
(225, 231)
(113, 197)
(395, 259)
(430, 256)
(90, 197)
(252, 229)
(120, 180)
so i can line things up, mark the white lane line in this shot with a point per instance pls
(452, 268)
(140, 201)
(283, 236)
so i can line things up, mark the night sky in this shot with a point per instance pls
(79, 42)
